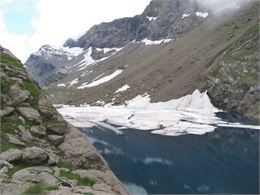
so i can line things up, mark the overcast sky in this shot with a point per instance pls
(25, 25)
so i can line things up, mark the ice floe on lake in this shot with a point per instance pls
(191, 114)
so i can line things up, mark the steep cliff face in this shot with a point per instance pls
(40, 152)
(161, 19)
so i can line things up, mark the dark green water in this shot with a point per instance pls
(225, 161)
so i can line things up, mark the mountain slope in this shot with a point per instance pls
(174, 69)
(40, 152)
(162, 19)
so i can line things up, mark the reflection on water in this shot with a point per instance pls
(223, 161)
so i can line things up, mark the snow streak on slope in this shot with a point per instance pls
(124, 88)
(100, 81)
(191, 114)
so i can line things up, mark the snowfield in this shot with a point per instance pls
(191, 114)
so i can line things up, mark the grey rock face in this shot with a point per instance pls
(14, 140)
(167, 23)
(30, 114)
(56, 139)
(6, 111)
(57, 128)
(18, 95)
(11, 155)
(34, 155)
(38, 131)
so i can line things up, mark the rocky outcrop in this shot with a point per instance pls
(160, 20)
(233, 79)
(39, 150)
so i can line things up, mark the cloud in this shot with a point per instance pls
(220, 6)
(58, 20)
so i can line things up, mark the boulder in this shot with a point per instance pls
(18, 95)
(54, 159)
(56, 139)
(30, 175)
(57, 128)
(11, 155)
(6, 111)
(34, 155)
(30, 114)
(47, 178)
(13, 140)
(5, 166)
(25, 133)
(38, 131)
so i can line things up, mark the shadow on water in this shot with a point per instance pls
(225, 161)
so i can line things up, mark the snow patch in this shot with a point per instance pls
(102, 80)
(185, 15)
(61, 85)
(73, 82)
(124, 88)
(202, 14)
(157, 42)
(151, 18)
(106, 50)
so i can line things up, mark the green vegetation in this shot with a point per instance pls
(253, 30)
(40, 188)
(6, 86)
(80, 180)
(16, 168)
(88, 193)
(31, 86)
(10, 124)
(4, 58)
(5, 145)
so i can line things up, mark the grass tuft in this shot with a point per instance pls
(39, 188)
(84, 181)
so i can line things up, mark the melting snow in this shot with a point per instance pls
(88, 59)
(191, 114)
(157, 42)
(151, 18)
(201, 14)
(61, 85)
(102, 80)
(106, 50)
(185, 15)
(124, 88)
(73, 82)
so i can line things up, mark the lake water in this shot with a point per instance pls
(225, 161)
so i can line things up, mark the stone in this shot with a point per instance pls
(25, 133)
(47, 178)
(30, 114)
(11, 155)
(14, 140)
(18, 95)
(79, 152)
(38, 131)
(54, 159)
(5, 166)
(30, 174)
(6, 111)
(57, 128)
(34, 155)
(56, 139)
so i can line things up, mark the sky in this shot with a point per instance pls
(25, 25)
